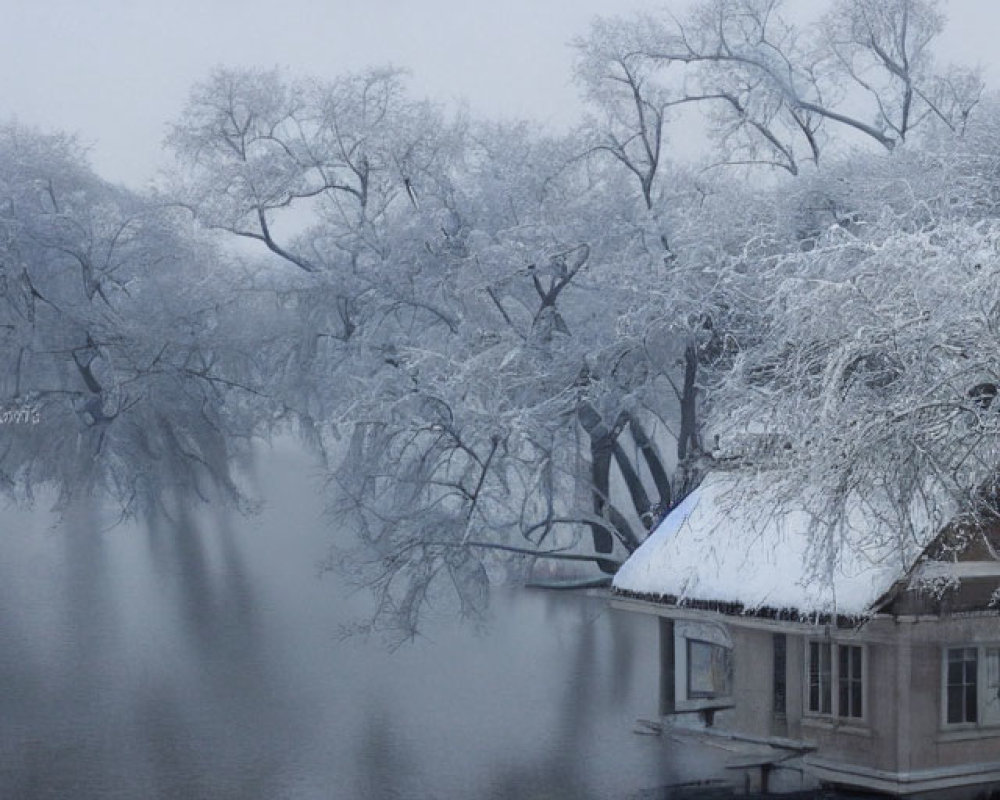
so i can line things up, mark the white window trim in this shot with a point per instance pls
(834, 716)
(979, 724)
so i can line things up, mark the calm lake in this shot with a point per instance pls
(204, 660)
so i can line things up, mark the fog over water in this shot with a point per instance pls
(202, 659)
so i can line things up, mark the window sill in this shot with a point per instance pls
(964, 734)
(834, 725)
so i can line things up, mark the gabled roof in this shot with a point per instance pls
(729, 547)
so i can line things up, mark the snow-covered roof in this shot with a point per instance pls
(729, 545)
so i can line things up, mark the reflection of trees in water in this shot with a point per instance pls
(623, 656)
(21, 662)
(214, 598)
(87, 599)
(385, 767)
(171, 680)
(558, 771)
(227, 693)
(209, 757)
(160, 686)
(58, 681)
(600, 666)
(518, 781)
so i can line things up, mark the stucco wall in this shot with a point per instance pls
(902, 731)
(868, 742)
(934, 743)
(752, 683)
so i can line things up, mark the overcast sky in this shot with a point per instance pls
(117, 71)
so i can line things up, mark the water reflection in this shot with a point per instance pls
(198, 657)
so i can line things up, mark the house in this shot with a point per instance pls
(869, 653)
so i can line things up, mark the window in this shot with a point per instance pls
(963, 666)
(710, 671)
(972, 685)
(703, 665)
(819, 677)
(779, 679)
(849, 681)
(991, 686)
(839, 667)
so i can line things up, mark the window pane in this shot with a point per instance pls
(699, 669)
(962, 693)
(826, 687)
(955, 712)
(820, 678)
(849, 680)
(990, 710)
(813, 676)
(779, 678)
(709, 669)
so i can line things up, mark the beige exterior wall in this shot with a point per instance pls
(870, 741)
(902, 735)
(751, 674)
(939, 743)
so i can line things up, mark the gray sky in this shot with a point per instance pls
(117, 71)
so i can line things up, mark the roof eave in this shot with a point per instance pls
(737, 611)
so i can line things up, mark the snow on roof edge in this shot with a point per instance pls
(730, 547)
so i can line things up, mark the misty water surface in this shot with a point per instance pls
(202, 660)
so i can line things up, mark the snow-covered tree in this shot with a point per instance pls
(775, 91)
(453, 298)
(110, 381)
(505, 341)
(866, 372)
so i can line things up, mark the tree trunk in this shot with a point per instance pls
(653, 462)
(689, 443)
(600, 474)
(603, 448)
(636, 491)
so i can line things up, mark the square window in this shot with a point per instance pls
(709, 672)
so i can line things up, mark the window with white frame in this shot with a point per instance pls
(703, 661)
(971, 685)
(835, 679)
